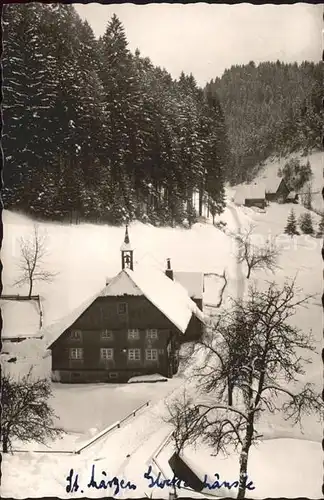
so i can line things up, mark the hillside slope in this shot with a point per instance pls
(270, 108)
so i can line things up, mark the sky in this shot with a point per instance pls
(205, 39)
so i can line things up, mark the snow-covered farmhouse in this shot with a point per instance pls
(21, 317)
(134, 326)
(276, 190)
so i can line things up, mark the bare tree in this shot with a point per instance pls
(33, 249)
(26, 414)
(253, 256)
(265, 359)
(222, 350)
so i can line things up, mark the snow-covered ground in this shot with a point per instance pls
(84, 255)
(273, 468)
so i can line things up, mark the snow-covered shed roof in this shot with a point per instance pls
(20, 318)
(193, 282)
(170, 297)
(249, 192)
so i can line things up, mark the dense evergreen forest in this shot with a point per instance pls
(92, 129)
(270, 109)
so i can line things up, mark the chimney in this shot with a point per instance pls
(169, 271)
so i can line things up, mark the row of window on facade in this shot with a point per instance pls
(107, 353)
(132, 334)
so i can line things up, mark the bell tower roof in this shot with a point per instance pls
(126, 245)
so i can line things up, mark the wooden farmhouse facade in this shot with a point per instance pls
(134, 326)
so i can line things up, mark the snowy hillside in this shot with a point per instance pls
(85, 255)
(316, 159)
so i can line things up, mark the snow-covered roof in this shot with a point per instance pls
(21, 318)
(170, 297)
(272, 184)
(54, 330)
(121, 285)
(127, 247)
(249, 192)
(193, 282)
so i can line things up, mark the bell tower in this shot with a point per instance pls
(127, 252)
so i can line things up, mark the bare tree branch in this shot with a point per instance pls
(255, 257)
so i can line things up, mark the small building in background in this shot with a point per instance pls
(251, 196)
(22, 317)
(276, 190)
(133, 326)
(292, 197)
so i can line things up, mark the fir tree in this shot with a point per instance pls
(18, 118)
(291, 227)
(117, 77)
(306, 223)
(215, 151)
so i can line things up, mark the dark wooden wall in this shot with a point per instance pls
(195, 327)
(103, 314)
(281, 193)
(258, 202)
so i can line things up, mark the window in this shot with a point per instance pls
(106, 353)
(133, 333)
(75, 335)
(151, 354)
(76, 353)
(106, 334)
(134, 354)
(122, 308)
(151, 333)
